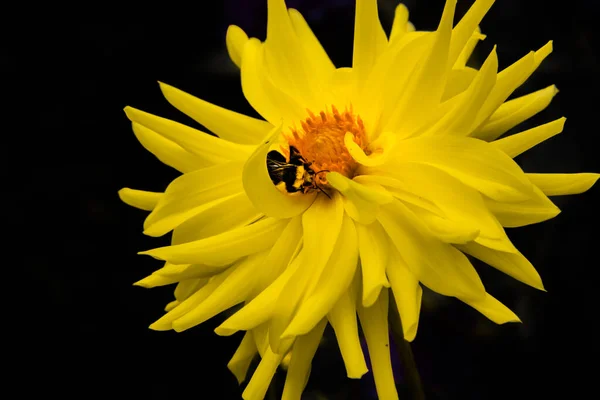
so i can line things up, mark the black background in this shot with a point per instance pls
(80, 327)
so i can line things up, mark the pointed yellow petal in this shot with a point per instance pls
(261, 191)
(342, 318)
(193, 193)
(156, 280)
(188, 287)
(303, 352)
(260, 309)
(519, 143)
(265, 97)
(190, 271)
(259, 383)
(315, 55)
(463, 31)
(426, 86)
(513, 264)
(458, 81)
(360, 201)
(494, 310)
(369, 39)
(234, 289)
(225, 123)
(334, 281)
(374, 322)
(511, 215)
(400, 24)
(438, 265)
(407, 293)
(475, 163)
(190, 139)
(169, 152)
(513, 112)
(225, 247)
(235, 40)
(165, 323)
(467, 51)
(510, 79)
(458, 120)
(140, 198)
(240, 362)
(373, 247)
(561, 184)
(230, 213)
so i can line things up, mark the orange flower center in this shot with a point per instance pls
(321, 141)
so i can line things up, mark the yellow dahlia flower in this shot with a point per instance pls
(401, 175)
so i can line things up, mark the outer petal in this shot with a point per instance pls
(235, 40)
(374, 322)
(369, 39)
(400, 25)
(303, 352)
(259, 383)
(473, 162)
(439, 266)
(226, 124)
(374, 248)
(140, 198)
(224, 248)
(561, 184)
(334, 281)
(169, 152)
(407, 293)
(261, 191)
(511, 215)
(513, 264)
(519, 143)
(494, 310)
(240, 362)
(463, 31)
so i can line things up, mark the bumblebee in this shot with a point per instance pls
(294, 175)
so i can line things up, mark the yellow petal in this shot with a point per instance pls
(407, 293)
(165, 323)
(226, 124)
(171, 305)
(360, 202)
(438, 265)
(240, 362)
(223, 248)
(303, 352)
(259, 383)
(513, 112)
(234, 289)
(519, 143)
(426, 86)
(373, 247)
(369, 39)
(561, 184)
(400, 24)
(260, 309)
(235, 40)
(458, 120)
(342, 318)
(463, 31)
(169, 152)
(261, 191)
(156, 280)
(190, 271)
(511, 215)
(193, 193)
(510, 79)
(230, 213)
(334, 281)
(140, 198)
(374, 322)
(513, 264)
(458, 81)
(467, 51)
(265, 97)
(190, 139)
(320, 64)
(494, 310)
(474, 162)
(463, 211)
(188, 287)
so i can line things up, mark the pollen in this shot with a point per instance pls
(320, 140)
